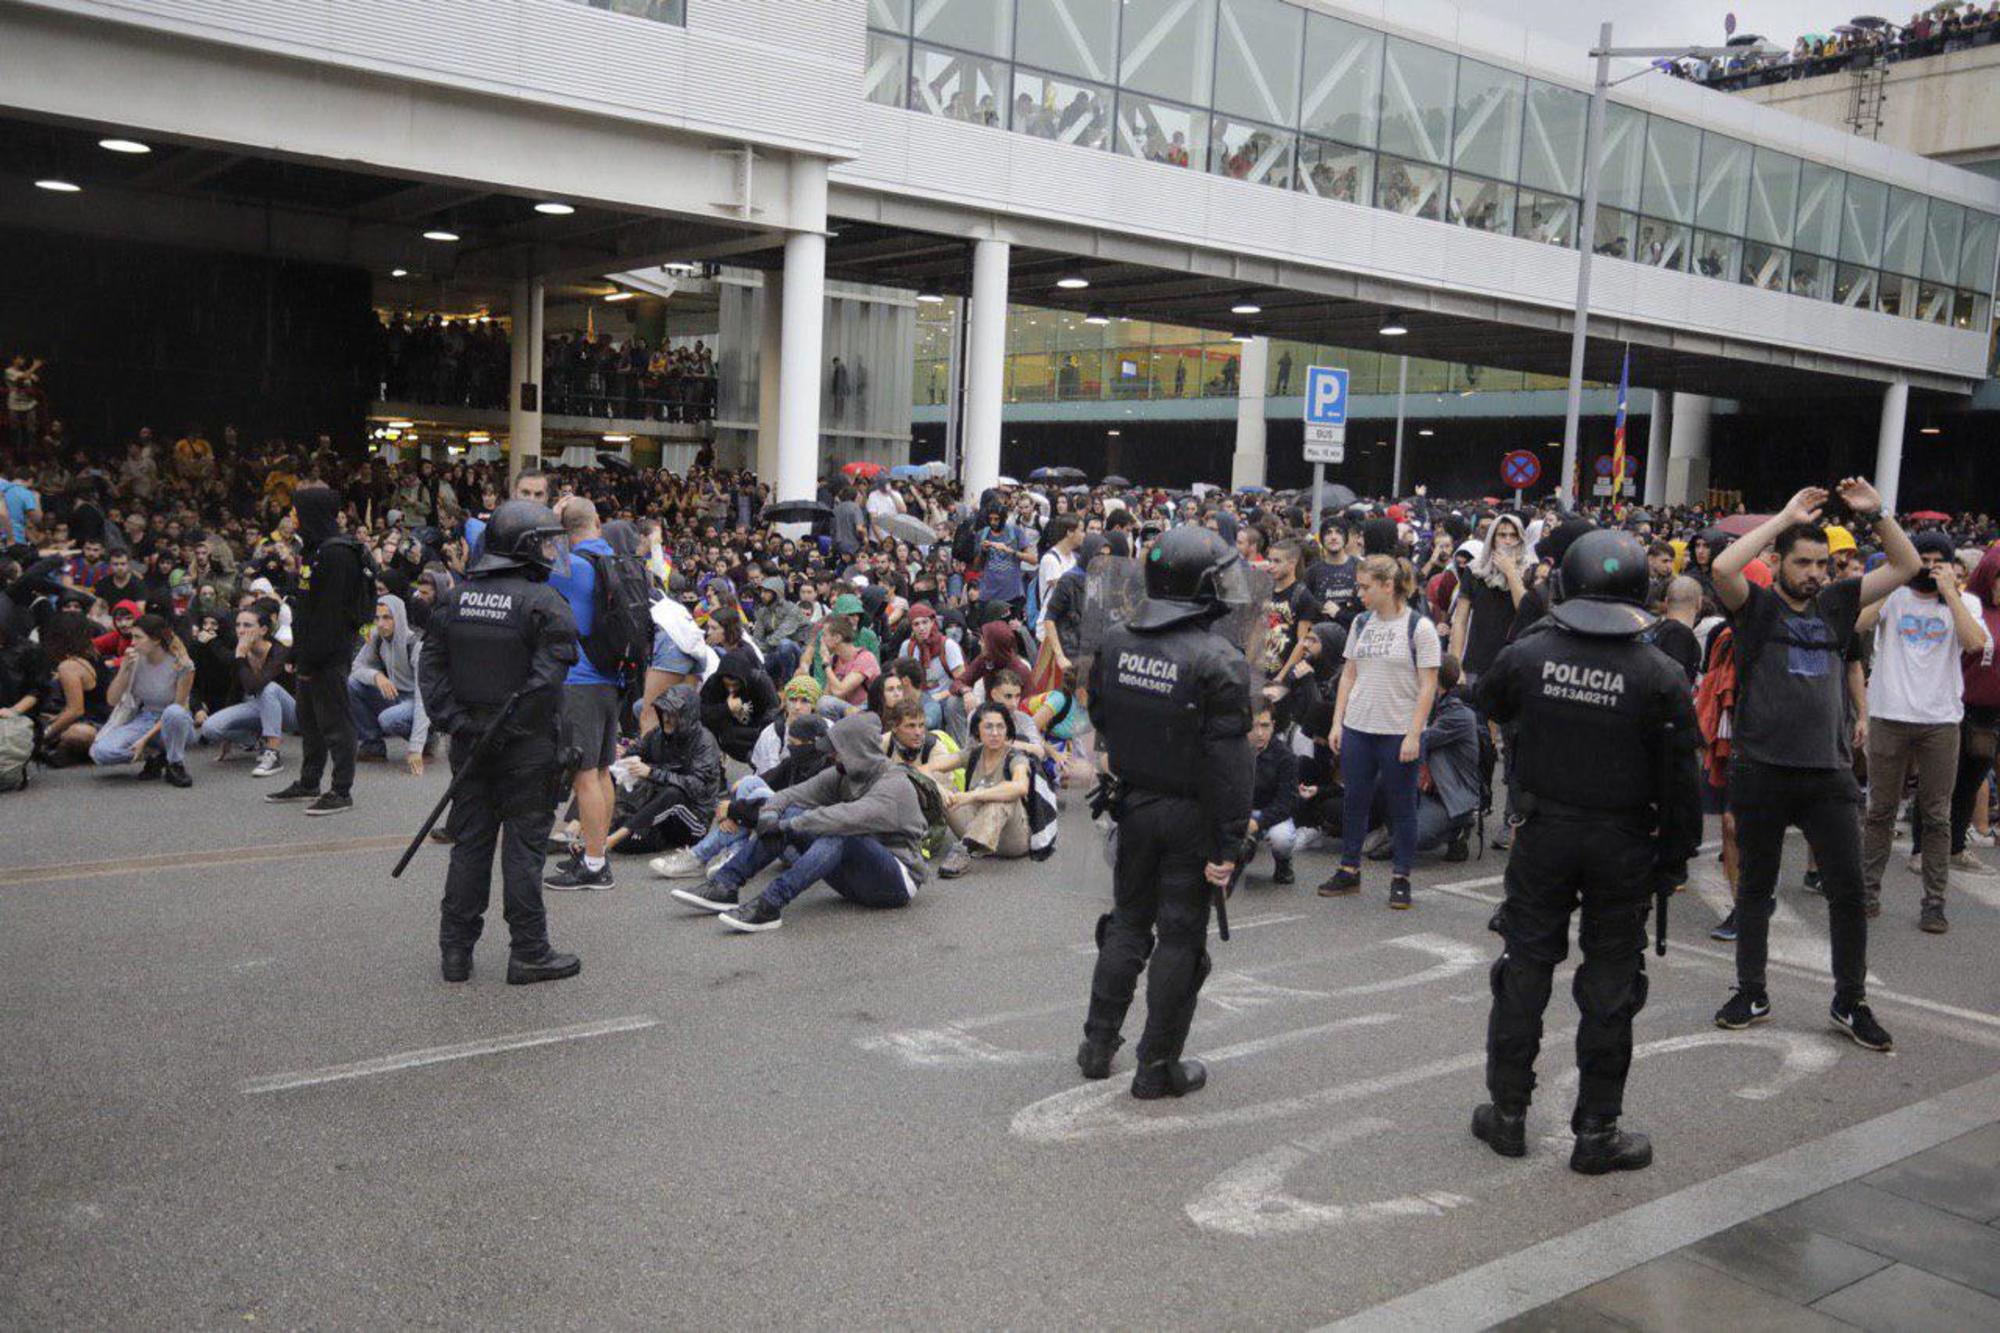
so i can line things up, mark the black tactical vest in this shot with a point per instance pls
(1586, 730)
(491, 639)
(1149, 706)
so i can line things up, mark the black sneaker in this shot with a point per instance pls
(1344, 884)
(1859, 1023)
(178, 776)
(581, 876)
(752, 916)
(710, 897)
(1742, 1011)
(1813, 883)
(1725, 929)
(457, 964)
(1503, 1129)
(1931, 919)
(1457, 849)
(1169, 1078)
(1094, 1058)
(1602, 1147)
(332, 803)
(297, 791)
(1399, 893)
(551, 966)
(1281, 870)
(154, 768)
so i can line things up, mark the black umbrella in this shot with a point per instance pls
(616, 462)
(797, 511)
(1332, 495)
(1056, 474)
(1116, 482)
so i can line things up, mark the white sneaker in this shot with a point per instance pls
(1974, 838)
(268, 763)
(679, 864)
(1969, 864)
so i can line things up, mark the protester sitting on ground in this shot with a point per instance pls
(999, 650)
(737, 701)
(858, 826)
(991, 813)
(382, 687)
(1275, 795)
(150, 722)
(262, 708)
(940, 659)
(850, 668)
(800, 698)
(112, 644)
(909, 740)
(1005, 688)
(806, 753)
(77, 706)
(675, 777)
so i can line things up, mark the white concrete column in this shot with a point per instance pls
(1246, 468)
(1687, 450)
(803, 313)
(1659, 422)
(986, 362)
(770, 323)
(1889, 442)
(524, 428)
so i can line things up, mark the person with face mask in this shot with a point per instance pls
(675, 779)
(805, 753)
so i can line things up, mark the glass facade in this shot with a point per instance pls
(1269, 92)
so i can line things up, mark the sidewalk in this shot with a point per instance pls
(1913, 1245)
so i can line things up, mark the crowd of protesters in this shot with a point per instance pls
(168, 601)
(1935, 31)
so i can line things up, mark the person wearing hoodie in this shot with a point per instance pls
(334, 580)
(382, 687)
(999, 650)
(777, 627)
(738, 701)
(805, 754)
(857, 826)
(675, 777)
(941, 659)
(1489, 592)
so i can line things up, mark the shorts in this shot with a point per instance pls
(590, 712)
(667, 656)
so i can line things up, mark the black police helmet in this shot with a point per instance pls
(1183, 573)
(1604, 584)
(515, 536)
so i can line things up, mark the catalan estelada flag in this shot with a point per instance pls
(1618, 429)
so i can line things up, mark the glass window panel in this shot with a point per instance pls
(1161, 132)
(659, 11)
(1053, 108)
(958, 86)
(1963, 309)
(1548, 218)
(1488, 124)
(1725, 184)
(1615, 236)
(1426, 376)
(1903, 236)
(1975, 252)
(1897, 295)
(1257, 59)
(1411, 188)
(887, 79)
(1622, 164)
(1943, 232)
(1080, 375)
(1029, 329)
(1335, 171)
(1861, 211)
(1166, 48)
(1417, 91)
(1343, 77)
(1287, 369)
(1482, 205)
(1766, 266)
(1244, 151)
(1221, 364)
(891, 14)
(1774, 197)
(971, 25)
(1854, 286)
(1934, 303)
(1663, 244)
(1552, 143)
(1716, 255)
(1074, 37)
(1818, 229)
(1672, 152)
(1812, 276)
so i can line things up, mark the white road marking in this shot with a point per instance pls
(947, 1047)
(390, 1064)
(1251, 1200)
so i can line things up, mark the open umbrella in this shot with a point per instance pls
(1639, 515)
(616, 462)
(862, 469)
(1332, 495)
(1116, 482)
(1254, 490)
(909, 471)
(936, 467)
(1928, 516)
(1056, 474)
(905, 528)
(1738, 525)
(797, 511)
(1005, 481)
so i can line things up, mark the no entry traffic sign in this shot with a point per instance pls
(1520, 470)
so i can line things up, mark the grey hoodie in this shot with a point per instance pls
(866, 793)
(396, 659)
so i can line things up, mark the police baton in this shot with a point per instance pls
(480, 751)
(1244, 855)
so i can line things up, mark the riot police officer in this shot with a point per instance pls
(1605, 775)
(1170, 699)
(503, 633)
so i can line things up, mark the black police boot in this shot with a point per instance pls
(1281, 870)
(1094, 1057)
(457, 963)
(549, 966)
(1504, 1129)
(1169, 1078)
(1602, 1147)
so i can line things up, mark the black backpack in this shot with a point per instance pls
(620, 642)
(360, 611)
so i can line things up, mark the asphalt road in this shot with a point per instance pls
(237, 1090)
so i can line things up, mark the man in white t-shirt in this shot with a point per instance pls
(883, 500)
(1065, 534)
(1915, 705)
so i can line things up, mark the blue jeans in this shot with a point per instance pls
(855, 866)
(717, 840)
(114, 744)
(1367, 760)
(272, 713)
(376, 717)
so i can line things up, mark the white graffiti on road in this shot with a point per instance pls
(1251, 1200)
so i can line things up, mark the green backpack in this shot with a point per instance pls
(937, 832)
(17, 747)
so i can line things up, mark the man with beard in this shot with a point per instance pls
(1793, 759)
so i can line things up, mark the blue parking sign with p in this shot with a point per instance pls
(1326, 396)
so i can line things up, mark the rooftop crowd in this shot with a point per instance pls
(1930, 32)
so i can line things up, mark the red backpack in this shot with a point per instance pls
(1715, 703)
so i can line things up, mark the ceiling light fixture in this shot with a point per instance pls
(1097, 317)
(124, 146)
(930, 298)
(1246, 309)
(478, 437)
(1929, 430)
(1243, 337)
(1393, 328)
(620, 296)
(1427, 431)
(617, 439)
(399, 273)
(1072, 282)
(440, 235)
(401, 425)
(554, 208)
(1113, 432)
(58, 186)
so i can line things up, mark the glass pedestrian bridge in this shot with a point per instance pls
(1295, 98)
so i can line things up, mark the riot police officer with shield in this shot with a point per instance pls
(497, 650)
(1171, 701)
(1605, 774)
